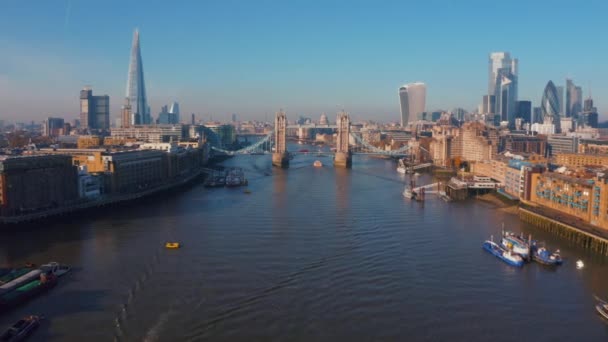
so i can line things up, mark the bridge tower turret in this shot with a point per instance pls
(344, 156)
(280, 157)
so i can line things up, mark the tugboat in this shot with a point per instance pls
(21, 330)
(543, 256)
(502, 253)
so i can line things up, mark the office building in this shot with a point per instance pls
(169, 116)
(560, 97)
(153, 134)
(524, 111)
(562, 144)
(488, 105)
(54, 127)
(537, 115)
(503, 84)
(136, 88)
(589, 117)
(550, 106)
(94, 111)
(412, 99)
(174, 113)
(574, 99)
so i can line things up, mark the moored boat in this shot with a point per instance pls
(56, 268)
(15, 273)
(27, 291)
(503, 254)
(19, 281)
(516, 244)
(21, 330)
(545, 257)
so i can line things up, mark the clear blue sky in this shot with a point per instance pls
(253, 57)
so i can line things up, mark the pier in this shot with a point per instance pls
(587, 237)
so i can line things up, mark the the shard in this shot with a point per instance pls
(136, 88)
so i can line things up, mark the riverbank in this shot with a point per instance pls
(499, 202)
(553, 221)
(100, 202)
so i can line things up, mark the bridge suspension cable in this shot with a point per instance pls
(379, 150)
(247, 149)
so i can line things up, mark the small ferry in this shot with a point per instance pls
(503, 254)
(544, 256)
(21, 330)
(517, 244)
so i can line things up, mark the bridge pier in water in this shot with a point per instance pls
(343, 157)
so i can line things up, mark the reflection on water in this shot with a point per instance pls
(310, 254)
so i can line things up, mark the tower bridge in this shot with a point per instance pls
(347, 143)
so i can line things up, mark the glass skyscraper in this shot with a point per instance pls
(550, 106)
(412, 99)
(503, 84)
(574, 99)
(136, 88)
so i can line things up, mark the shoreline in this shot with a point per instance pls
(14, 221)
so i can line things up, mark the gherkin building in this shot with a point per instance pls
(550, 103)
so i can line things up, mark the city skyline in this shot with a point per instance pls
(224, 58)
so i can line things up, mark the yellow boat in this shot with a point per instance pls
(172, 245)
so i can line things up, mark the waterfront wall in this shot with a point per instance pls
(579, 236)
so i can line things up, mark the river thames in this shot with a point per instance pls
(312, 254)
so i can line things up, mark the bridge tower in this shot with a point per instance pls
(344, 156)
(280, 157)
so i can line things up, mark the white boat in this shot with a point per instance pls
(317, 163)
(408, 193)
(580, 264)
(401, 168)
(516, 244)
(56, 268)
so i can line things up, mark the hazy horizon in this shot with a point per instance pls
(251, 59)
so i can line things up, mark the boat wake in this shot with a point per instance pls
(253, 298)
(123, 316)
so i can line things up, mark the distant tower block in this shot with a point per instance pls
(280, 157)
(343, 157)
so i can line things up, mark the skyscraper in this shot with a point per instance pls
(560, 96)
(174, 111)
(524, 111)
(574, 99)
(136, 88)
(413, 101)
(94, 110)
(550, 106)
(503, 80)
